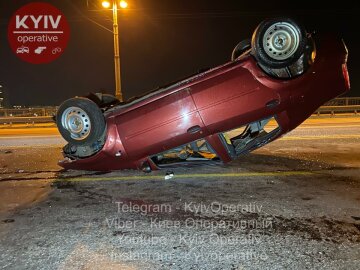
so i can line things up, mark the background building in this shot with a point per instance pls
(4, 98)
(1, 97)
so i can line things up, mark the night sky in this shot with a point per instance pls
(161, 41)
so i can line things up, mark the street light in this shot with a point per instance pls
(123, 4)
(106, 4)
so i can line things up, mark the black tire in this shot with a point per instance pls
(103, 100)
(109, 100)
(93, 115)
(240, 48)
(271, 59)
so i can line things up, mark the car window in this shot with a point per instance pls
(199, 150)
(249, 137)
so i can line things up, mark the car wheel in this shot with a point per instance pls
(80, 121)
(242, 47)
(278, 43)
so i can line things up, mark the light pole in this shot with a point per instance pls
(123, 4)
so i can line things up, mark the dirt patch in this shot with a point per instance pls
(28, 159)
(15, 195)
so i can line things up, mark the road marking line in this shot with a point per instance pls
(196, 175)
(39, 136)
(309, 126)
(29, 146)
(320, 137)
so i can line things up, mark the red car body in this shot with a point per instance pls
(220, 99)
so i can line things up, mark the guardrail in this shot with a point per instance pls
(352, 109)
(350, 105)
(28, 112)
(45, 114)
(25, 120)
(346, 101)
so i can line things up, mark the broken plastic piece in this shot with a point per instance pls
(169, 175)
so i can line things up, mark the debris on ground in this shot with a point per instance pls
(169, 175)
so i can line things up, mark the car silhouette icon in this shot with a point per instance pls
(22, 49)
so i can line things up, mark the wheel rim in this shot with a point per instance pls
(77, 122)
(281, 40)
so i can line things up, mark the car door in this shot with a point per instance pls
(231, 99)
(162, 124)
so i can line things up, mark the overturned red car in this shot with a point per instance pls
(270, 86)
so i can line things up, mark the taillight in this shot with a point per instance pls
(346, 75)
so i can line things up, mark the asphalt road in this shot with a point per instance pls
(293, 204)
